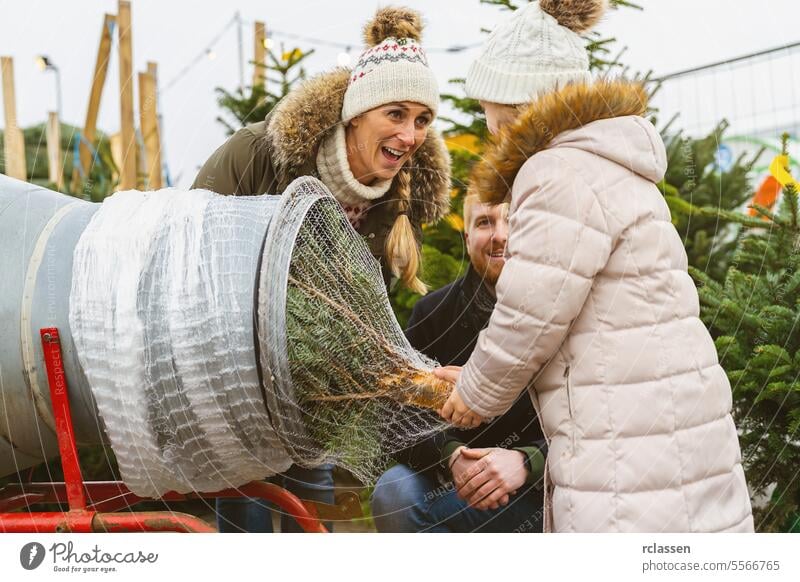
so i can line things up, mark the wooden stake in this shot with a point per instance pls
(148, 115)
(152, 68)
(117, 156)
(260, 70)
(128, 174)
(14, 144)
(98, 81)
(54, 162)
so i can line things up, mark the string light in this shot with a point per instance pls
(343, 59)
(348, 46)
(205, 54)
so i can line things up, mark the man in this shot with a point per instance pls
(441, 484)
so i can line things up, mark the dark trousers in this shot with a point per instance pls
(255, 515)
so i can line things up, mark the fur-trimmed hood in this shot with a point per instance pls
(541, 123)
(300, 122)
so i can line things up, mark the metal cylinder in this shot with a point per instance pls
(38, 233)
(170, 380)
(155, 296)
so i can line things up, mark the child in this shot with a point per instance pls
(595, 304)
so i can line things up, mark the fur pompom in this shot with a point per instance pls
(393, 22)
(577, 15)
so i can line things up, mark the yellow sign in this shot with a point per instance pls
(779, 170)
(294, 54)
(464, 141)
(455, 221)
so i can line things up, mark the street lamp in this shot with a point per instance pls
(45, 64)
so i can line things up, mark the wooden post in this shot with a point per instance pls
(260, 70)
(148, 115)
(152, 68)
(128, 174)
(54, 161)
(99, 79)
(117, 156)
(14, 144)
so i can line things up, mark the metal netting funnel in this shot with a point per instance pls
(162, 312)
(342, 383)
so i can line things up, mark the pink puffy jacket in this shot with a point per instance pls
(596, 308)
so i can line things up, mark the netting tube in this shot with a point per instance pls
(161, 310)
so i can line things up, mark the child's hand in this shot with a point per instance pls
(448, 373)
(454, 410)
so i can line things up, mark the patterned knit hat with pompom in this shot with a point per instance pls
(394, 66)
(535, 51)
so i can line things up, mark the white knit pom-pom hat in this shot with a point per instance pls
(536, 50)
(393, 68)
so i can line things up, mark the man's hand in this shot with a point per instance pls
(486, 478)
(454, 410)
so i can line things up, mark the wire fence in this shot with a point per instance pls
(757, 94)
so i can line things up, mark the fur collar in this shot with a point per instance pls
(300, 122)
(541, 121)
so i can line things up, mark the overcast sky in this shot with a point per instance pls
(667, 36)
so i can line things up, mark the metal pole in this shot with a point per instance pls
(727, 62)
(241, 49)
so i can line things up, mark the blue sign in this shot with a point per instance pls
(723, 159)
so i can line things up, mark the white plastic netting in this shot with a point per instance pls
(345, 386)
(161, 312)
(164, 289)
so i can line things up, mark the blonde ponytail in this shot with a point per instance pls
(402, 252)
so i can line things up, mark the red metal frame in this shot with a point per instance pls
(108, 497)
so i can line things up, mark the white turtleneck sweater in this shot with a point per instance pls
(334, 171)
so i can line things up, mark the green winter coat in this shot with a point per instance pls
(265, 157)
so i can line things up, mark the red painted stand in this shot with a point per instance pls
(108, 497)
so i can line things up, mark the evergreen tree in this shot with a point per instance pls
(97, 185)
(754, 314)
(702, 198)
(255, 102)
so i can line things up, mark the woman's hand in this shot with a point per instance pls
(454, 410)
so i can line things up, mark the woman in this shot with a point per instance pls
(366, 133)
(595, 304)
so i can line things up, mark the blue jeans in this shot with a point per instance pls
(255, 515)
(405, 501)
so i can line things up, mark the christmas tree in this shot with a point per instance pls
(754, 314)
(252, 104)
(346, 386)
(102, 178)
(702, 198)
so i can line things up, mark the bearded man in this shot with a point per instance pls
(442, 484)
